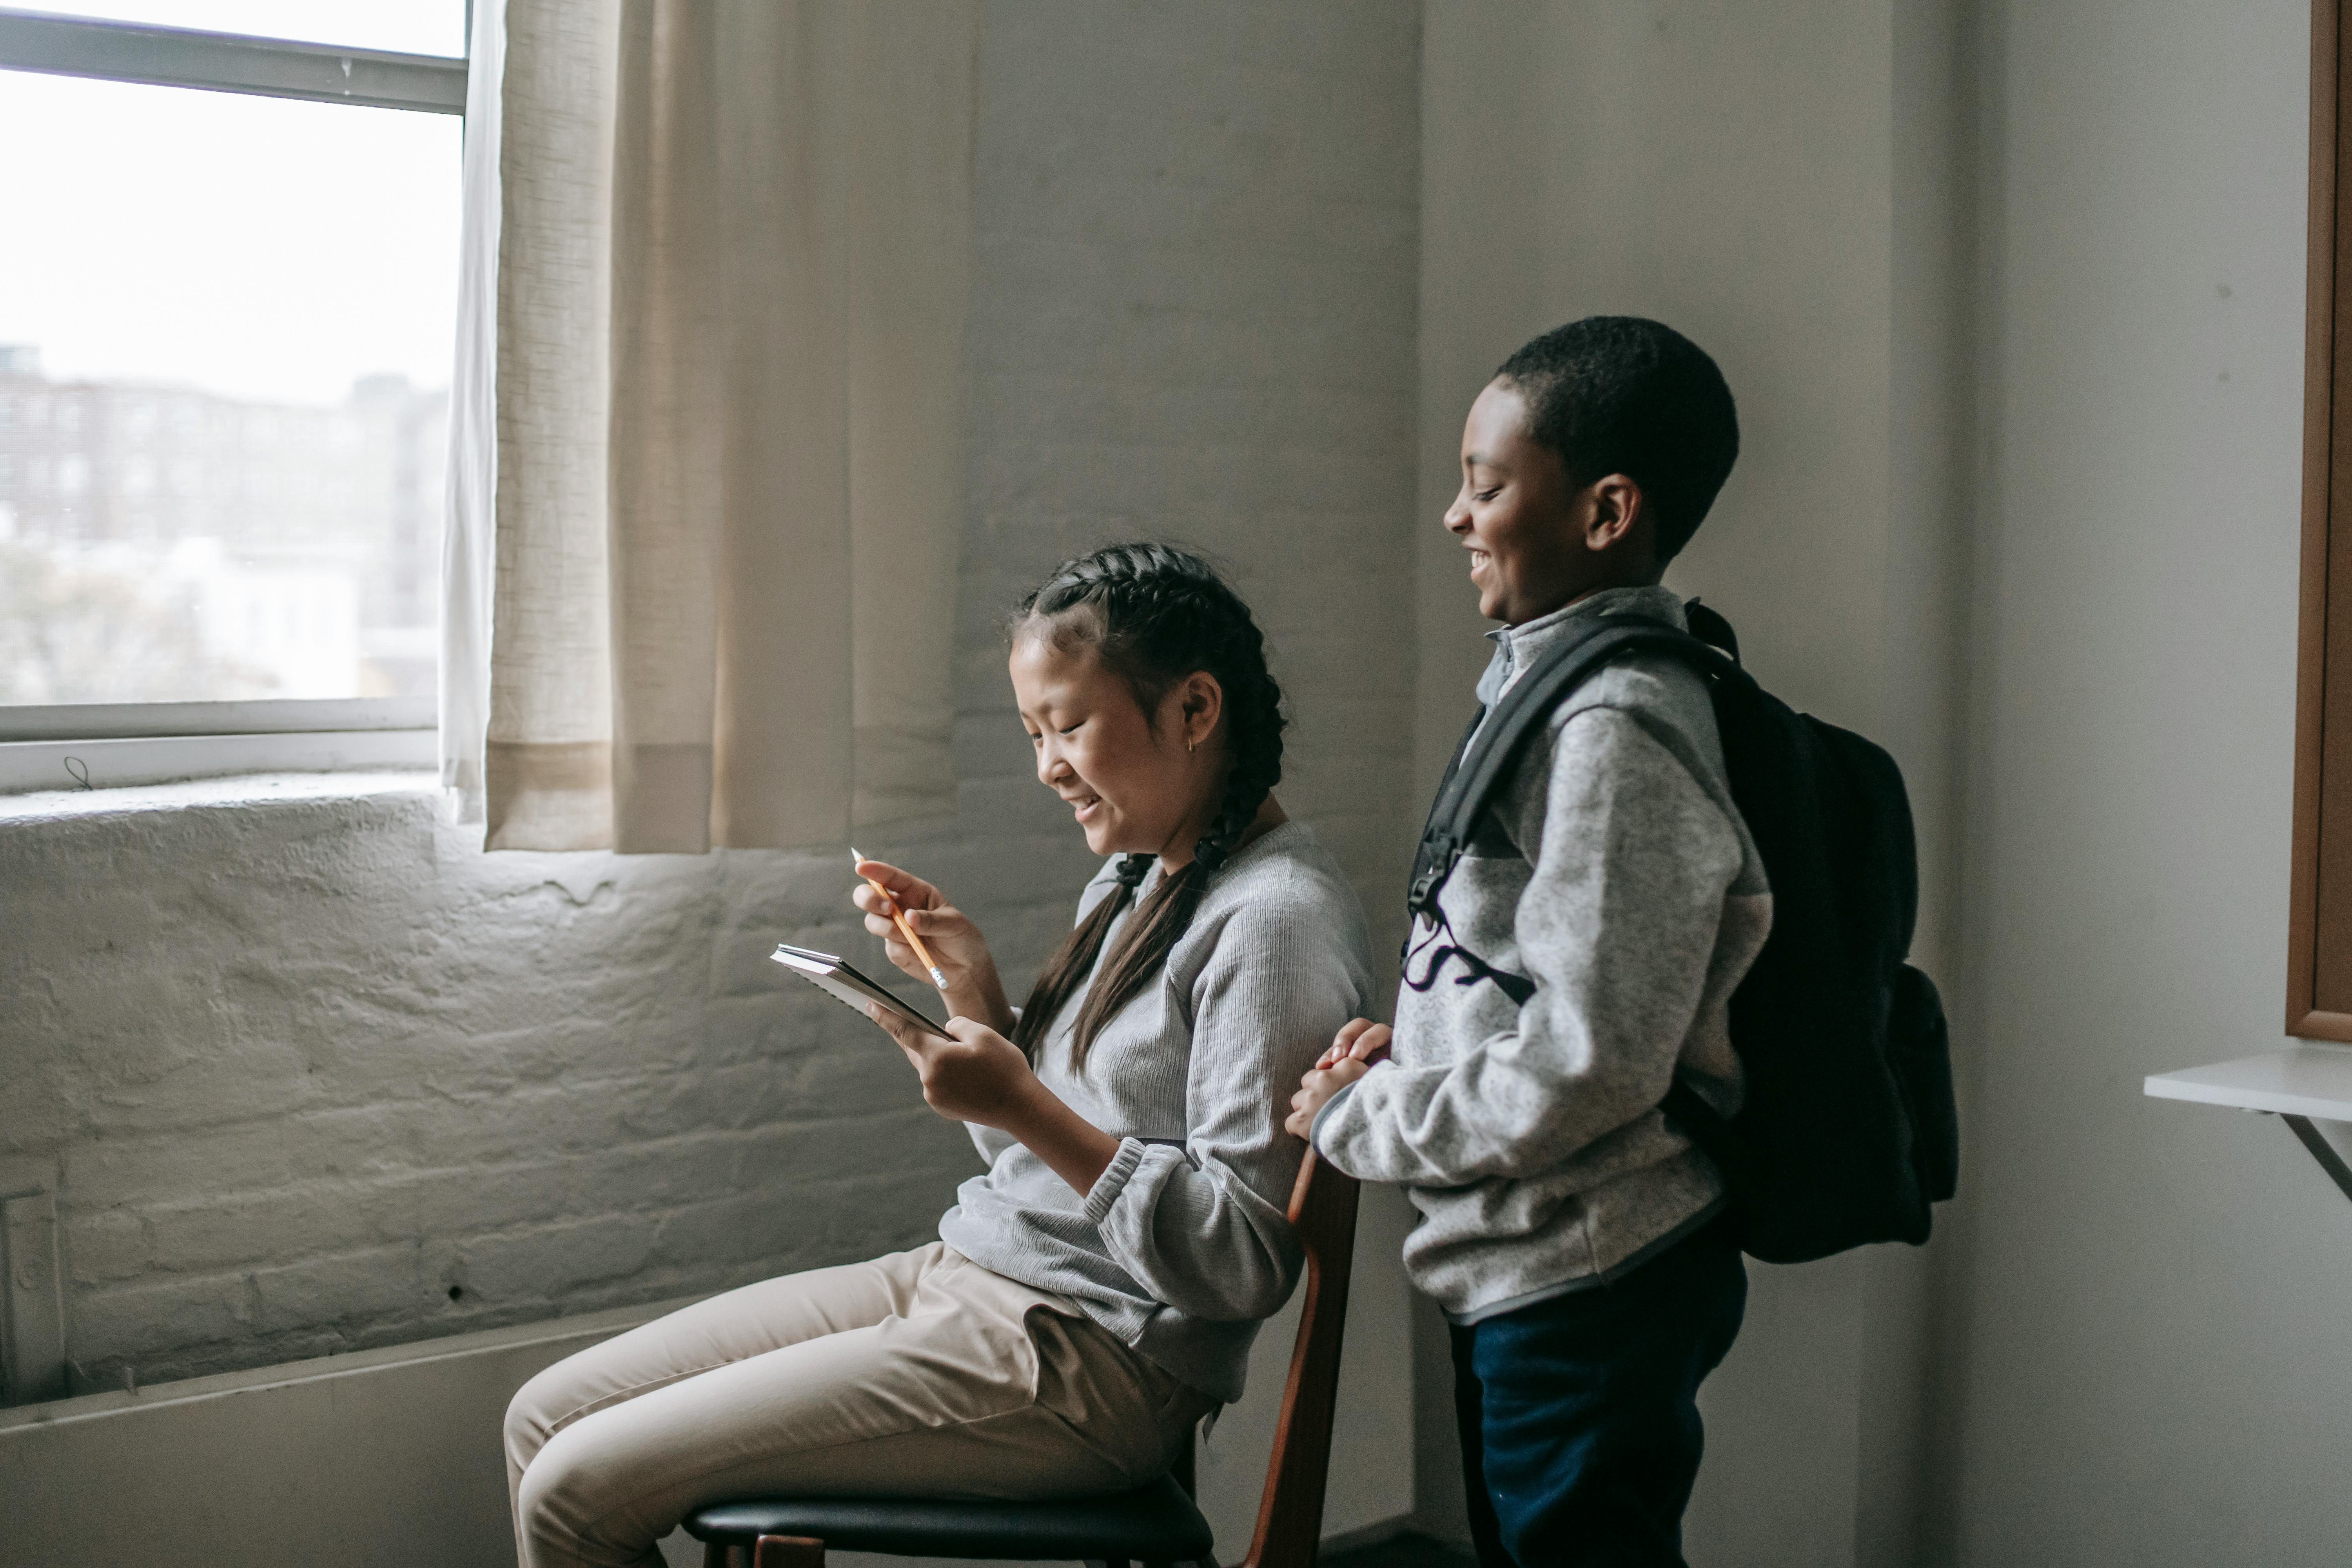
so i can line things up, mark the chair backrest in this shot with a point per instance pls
(1290, 1514)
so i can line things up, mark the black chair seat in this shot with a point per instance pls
(1157, 1522)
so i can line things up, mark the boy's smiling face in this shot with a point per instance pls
(1536, 542)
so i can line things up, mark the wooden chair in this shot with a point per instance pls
(1157, 1524)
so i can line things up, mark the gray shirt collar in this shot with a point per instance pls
(1517, 648)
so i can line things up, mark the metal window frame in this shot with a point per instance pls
(229, 62)
(275, 716)
(138, 743)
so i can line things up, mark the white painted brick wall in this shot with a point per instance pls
(299, 1068)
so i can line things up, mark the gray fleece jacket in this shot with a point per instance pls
(1612, 869)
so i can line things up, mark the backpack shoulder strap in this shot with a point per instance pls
(1492, 748)
(1453, 767)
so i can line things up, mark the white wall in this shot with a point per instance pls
(297, 1067)
(367, 1460)
(2148, 1337)
(1784, 184)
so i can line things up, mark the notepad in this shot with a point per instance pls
(839, 980)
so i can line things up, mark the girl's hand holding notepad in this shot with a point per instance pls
(979, 1075)
(973, 989)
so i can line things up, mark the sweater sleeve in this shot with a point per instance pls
(1202, 1227)
(1616, 928)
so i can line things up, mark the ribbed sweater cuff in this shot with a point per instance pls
(1114, 1180)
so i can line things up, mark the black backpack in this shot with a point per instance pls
(1848, 1131)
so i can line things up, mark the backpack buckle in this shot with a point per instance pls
(1422, 896)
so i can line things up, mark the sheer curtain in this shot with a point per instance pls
(707, 444)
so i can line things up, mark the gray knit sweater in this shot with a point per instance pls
(1612, 869)
(1181, 1249)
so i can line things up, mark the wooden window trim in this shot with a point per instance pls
(2321, 894)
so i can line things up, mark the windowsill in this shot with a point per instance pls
(39, 767)
(236, 790)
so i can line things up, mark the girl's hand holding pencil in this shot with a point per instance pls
(931, 939)
(898, 918)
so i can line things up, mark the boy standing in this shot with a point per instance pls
(1569, 1230)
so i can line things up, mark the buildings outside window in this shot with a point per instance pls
(306, 568)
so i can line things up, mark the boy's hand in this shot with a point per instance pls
(1316, 1089)
(1351, 1055)
(1360, 1039)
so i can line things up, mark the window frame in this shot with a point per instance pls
(155, 56)
(2320, 896)
(141, 743)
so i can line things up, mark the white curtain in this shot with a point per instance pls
(706, 462)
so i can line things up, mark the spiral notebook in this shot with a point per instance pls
(838, 978)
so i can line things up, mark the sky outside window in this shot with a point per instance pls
(254, 246)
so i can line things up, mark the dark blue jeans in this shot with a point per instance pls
(1579, 1416)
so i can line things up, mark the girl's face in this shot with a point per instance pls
(1137, 786)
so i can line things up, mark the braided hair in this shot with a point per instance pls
(1155, 614)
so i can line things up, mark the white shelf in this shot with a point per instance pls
(2305, 1080)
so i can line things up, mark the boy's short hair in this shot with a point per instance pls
(1620, 394)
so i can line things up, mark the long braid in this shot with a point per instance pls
(1076, 957)
(1255, 722)
(1157, 613)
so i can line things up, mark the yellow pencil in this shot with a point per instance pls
(904, 930)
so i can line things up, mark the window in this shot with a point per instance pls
(2319, 953)
(223, 371)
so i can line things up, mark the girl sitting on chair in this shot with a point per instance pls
(1095, 1293)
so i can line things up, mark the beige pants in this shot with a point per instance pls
(918, 1375)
